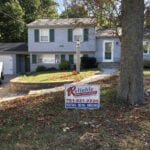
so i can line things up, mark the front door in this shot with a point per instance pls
(108, 51)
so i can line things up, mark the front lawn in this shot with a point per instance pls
(58, 76)
(42, 122)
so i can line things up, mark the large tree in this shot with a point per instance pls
(74, 9)
(107, 12)
(11, 21)
(30, 8)
(131, 89)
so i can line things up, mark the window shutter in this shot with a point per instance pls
(52, 35)
(36, 35)
(34, 59)
(70, 35)
(86, 34)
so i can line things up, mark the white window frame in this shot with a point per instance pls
(47, 57)
(148, 50)
(112, 51)
(41, 34)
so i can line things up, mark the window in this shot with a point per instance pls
(48, 58)
(63, 58)
(52, 35)
(70, 35)
(108, 51)
(146, 47)
(44, 35)
(36, 35)
(34, 59)
(71, 59)
(57, 59)
(86, 34)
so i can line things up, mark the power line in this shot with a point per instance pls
(1, 11)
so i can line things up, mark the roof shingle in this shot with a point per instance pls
(13, 47)
(62, 22)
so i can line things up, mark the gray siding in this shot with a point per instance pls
(34, 66)
(61, 43)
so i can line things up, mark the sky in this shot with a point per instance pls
(60, 7)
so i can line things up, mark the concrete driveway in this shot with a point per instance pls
(5, 87)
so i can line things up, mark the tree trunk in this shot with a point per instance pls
(131, 88)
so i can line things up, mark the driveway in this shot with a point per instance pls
(5, 88)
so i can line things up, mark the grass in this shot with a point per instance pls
(41, 122)
(57, 76)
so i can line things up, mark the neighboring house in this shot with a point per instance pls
(50, 41)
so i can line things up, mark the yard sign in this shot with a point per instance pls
(82, 96)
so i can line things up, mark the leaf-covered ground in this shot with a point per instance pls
(57, 76)
(41, 122)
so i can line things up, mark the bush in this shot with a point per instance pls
(88, 62)
(65, 65)
(52, 69)
(147, 64)
(41, 69)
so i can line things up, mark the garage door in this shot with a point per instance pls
(8, 64)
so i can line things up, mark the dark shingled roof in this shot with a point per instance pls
(13, 47)
(62, 22)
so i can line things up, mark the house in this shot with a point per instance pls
(50, 41)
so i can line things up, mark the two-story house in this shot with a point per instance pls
(50, 41)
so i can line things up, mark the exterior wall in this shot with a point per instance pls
(56, 65)
(100, 49)
(61, 43)
(147, 56)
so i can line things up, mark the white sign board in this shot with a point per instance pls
(82, 96)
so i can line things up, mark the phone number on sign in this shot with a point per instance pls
(82, 100)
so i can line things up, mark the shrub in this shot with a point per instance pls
(65, 65)
(88, 62)
(52, 69)
(147, 64)
(41, 69)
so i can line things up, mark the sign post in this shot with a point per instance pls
(78, 38)
(82, 96)
(78, 61)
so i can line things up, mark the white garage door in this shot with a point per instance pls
(8, 64)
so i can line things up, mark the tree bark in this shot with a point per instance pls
(131, 87)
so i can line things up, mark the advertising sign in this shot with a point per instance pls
(82, 96)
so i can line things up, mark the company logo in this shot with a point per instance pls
(74, 91)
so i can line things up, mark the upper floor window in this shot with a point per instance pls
(44, 35)
(146, 47)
